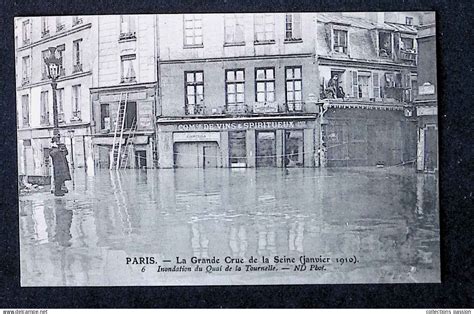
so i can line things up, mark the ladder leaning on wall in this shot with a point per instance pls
(118, 133)
(128, 146)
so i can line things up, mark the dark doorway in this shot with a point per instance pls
(140, 159)
(130, 114)
(266, 150)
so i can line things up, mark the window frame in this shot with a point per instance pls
(409, 20)
(194, 44)
(194, 84)
(294, 29)
(77, 55)
(76, 90)
(44, 26)
(333, 41)
(293, 81)
(25, 110)
(265, 81)
(44, 108)
(237, 22)
(390, 56)
(60, 99)
(26, 32)
(265, 40)
(26, 69)
(131, 21)
(234, 83)
(133, 60)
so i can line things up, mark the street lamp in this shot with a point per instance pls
(53, 61)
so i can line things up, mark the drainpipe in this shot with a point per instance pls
(323, 107)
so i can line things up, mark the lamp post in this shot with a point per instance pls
(53, 63)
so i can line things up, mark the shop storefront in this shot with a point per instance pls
(240, 142)
(138, 144)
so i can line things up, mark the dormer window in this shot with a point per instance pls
(407, 44)
(340, 41)
(409, 20)
(385, 44)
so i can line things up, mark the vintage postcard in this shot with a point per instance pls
(227, 149)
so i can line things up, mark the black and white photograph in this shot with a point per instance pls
(227, 149)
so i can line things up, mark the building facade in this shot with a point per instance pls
(426, 102)
(233, 90)
(125, 75)
(368, 78)
(71, 35)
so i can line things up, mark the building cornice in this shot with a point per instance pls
(372, 64)
(238, 58)
(171, 120)
(50, 127)
(363, 105)
(61, 79)
(122, 87)
(73, 30)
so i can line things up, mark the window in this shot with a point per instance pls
(127, 26)
(235, 90)
(60, 49)
(363, 83)
(293, 27)
(60, 98)
(376, 84)
(76, 102)
(26, 69)
(294, 148)
(25, 109)
(76, 57)
(265, 85)
(59, 24)
(128, 63)
(293, 88)
(409, 20)
(44, 108)
(193, 30)
(340, 41)
(385, 44)
(194, 92)
(407, 44)
(44, 26)
(26, 30)
(44, 73)
(264, 28)
(104, 117)
(234, 29)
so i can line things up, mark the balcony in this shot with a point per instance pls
(407, 55)
(128, 35)
(128, 79)
(76, 21)
(399, 94)
(45, 33)
(265, 107)
(60, 27)
(234, 110)
(77, 68)
(195, 110)
(294, 107)
(76, 116)
(25, 80)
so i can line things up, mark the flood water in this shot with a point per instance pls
(386, 218)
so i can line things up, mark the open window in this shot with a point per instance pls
(385, 44)
(340, 40)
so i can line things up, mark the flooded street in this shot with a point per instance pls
(388, 218)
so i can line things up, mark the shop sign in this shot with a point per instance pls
(196, 137)
(426, 111)
(243, 125)
(265, 107)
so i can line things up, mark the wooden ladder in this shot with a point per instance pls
(118, 133)
(129, 143)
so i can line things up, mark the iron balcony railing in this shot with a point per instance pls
(77, 68)
(128, 79)
(195, 110)
(128, 35)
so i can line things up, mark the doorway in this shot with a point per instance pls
(266, 149)
(209, 156)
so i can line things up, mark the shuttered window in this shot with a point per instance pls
(376, 84)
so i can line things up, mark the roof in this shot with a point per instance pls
(364, 23)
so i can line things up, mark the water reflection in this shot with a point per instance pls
(386, 217)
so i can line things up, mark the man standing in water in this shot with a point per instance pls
(61, 173)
